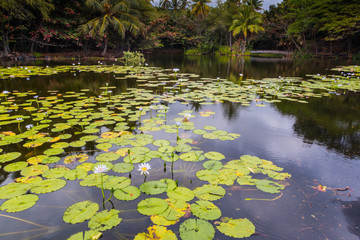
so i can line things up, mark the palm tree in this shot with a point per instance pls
(118, 14)
(256, 4)
(200, 9)
(247, 21)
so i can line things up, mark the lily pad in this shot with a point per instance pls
(19, 203)
(196, 229)
(53, 151)
(107, 157)
(268, 186)
(55, 172)
(162, 221)
(181, 193)
(153, 187)
(105, 220)
(156, 232)
(47, 186)
(123, 167)
(16, 166)
(7, 157)
(127, 194)
(81, 211)
(34, 170)
(87, 235)
(13, 189)
(193, 156)
(115, 182)
(205, 210)
(152, 206)
(74, 174)
(209, 192)
(214, 155)
(177, 208)
(213, 165)
(237, 228)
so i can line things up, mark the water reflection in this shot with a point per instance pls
(333, 121)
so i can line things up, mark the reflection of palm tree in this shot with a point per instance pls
(115, 13)
(196, 106)
(246, 21)
(200, 9)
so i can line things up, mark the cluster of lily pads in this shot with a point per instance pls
(45, 139)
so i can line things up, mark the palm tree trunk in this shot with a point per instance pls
(5, 38)
(105, 47)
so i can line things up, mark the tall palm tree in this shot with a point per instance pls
(247, 21)
(118, 14)
(200, 9)
(256, 4)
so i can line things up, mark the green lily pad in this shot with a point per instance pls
(171, 184)
(177, 208)
(209, 128)
(193, 156)
(205, 210)
(87, 235)
(214, 156)
(16, 166)
(74, 174)
(104, 146)
(89, 138)
(162, 221)
(93, 180)
(209, 192)
(105, 220)
(237, 228)
(153, 187)
(156, 232)
(7, 157)
(13, 189)
(19, 203)
(123, 167)
(81, 211)
(127, 193)
(34, 170)
(152, 206)
(213, 165)
(81, 157)
(161, 143)
(107, 157)
(55, 172)
(53, 151)
(47, 186)
(77, 143)
(196, 229)
(115, 182)
(181, 193)
(268, 186)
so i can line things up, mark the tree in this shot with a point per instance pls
(200, 9)
(247, 21)
(15, 11)
(256, 4)
(119, 14)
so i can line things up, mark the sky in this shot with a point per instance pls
(266, 5)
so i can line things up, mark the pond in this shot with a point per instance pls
(255, 148)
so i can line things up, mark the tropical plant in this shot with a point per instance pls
(119, 14)
(200, 9)
(247, 21)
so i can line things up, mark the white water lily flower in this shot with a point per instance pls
(5, 92)
(28, 127)
(176, 69)
(100, 168)
(178, 123)
(144, 168)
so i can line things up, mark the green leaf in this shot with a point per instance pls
(7, 157)
(193, 156)
(177, 208)
(156, 232)
(152, 206)
(123, 167)
(127, 194)
(34, 170)
(13, 189)
(153, 187)
(115, 182)
(93, 180)
(162, 221)
(181, 193)
(212, 165)
(237, 228)
(161, 143)
(74, 174)
(79, 212)
(105, 220)
(209, 192)
(205, 210)
(53, 151)
(107, 157)
(55, 172)
(214, 155)
(49, 185)
(16, 166)
(196, 229)
(89, 235)
(268, 186)
(19, 203)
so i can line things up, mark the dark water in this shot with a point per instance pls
(318, 143)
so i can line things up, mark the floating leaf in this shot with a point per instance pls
(82, 157)
(209, 192)
(205, 210)
(53, 151)
(7, 157)
(162, 221)
(93, 180)
(127, 194)
(153, 187)
(212, 165)
(34, 170)
(237, 228)
(156, 232)
(214, 155)
(89, 235)
(55, 172)
(79, 212)
(161, 143)
(115, 182)
(196, 229)
(16, 166)
(193, 156)
(181, 193)
(77, 173)
(77, 144)
(107, 157)
(268, 186)
(19, 203)
(13, 189)
(152, 206)
(177, 208)
(123, 167)
(49, 185)
(105, 220)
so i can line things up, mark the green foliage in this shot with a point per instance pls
(133, 58)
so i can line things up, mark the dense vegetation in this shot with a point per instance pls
(232, 26)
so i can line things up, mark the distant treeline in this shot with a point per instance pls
(326, 27)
